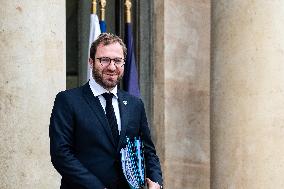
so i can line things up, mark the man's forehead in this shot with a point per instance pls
(110, 49)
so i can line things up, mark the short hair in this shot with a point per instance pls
(106, 39)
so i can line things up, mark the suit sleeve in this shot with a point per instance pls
(153, 167)
(61, 130)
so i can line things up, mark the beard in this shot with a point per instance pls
(106, 83)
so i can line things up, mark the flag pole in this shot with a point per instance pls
(102, 15)
(102, 9)
(128, 6)
(94, 7)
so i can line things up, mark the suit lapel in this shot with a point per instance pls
(97, 109)
(122, 103)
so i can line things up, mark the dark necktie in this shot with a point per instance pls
(111, 116)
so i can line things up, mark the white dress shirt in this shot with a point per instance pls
(98, 91)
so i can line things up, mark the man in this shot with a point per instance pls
(89, 125)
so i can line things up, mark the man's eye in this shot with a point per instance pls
(105, 59)
(117, 60)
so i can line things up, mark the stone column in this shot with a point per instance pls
(32, 66)
(247, 128)
(181, 91)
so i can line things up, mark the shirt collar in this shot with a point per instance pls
(97, 89)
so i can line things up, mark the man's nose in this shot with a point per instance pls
(112, 65)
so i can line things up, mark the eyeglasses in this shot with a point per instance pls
(105, 61)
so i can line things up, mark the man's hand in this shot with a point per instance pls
(152, 185)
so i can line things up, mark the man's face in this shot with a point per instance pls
(108, 75)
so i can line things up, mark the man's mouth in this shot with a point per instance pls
(111, 75)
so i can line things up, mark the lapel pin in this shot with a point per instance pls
(124, 102)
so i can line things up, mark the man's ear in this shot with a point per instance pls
(91, 62)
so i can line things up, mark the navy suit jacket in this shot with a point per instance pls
(81, 144)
